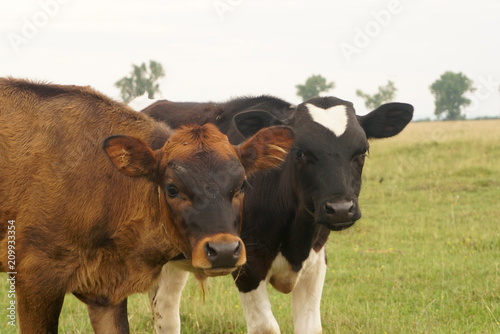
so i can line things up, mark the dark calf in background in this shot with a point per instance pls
(254, 113)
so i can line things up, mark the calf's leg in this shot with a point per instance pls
(166, 298)
(110, 319)
(258, 313)
(38, 307)
(306, 296)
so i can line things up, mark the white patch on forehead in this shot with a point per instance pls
(333, 118)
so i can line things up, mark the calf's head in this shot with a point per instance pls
(202, 178)
(328, 155)
(326, 160)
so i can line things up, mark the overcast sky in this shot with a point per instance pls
(217, 49)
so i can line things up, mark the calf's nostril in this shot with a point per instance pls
(329, 208)
(351, 208)
(210, 251)
(237, 250)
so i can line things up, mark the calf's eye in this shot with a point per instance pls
(172, 190)
(299, 154)
(243, 186)
(360, 157)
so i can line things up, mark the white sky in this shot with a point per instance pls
(217, 49)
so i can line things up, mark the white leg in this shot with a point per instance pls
(258, 313)
(166, 298)
(306, 297)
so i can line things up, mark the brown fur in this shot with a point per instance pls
(81, 226)
(73, 233)
(268, 150)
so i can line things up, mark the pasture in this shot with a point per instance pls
(425, 257)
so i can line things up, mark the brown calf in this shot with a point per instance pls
(100, 223)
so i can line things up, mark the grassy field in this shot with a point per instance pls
(425, 257)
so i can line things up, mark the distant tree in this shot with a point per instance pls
(314, 85)
(449, 92)
(385, 94)
(143, 79)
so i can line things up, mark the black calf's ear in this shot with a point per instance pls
(387, 120)
(249, 123)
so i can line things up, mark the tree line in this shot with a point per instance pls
(449, 89)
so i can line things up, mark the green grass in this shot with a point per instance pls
(425, 258)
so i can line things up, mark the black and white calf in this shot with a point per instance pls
(288, 213)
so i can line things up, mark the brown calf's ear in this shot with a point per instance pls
(130, 155)
(266, 149)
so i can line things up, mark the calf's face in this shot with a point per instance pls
(326, 162)
(202, 178)
(328, 155)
